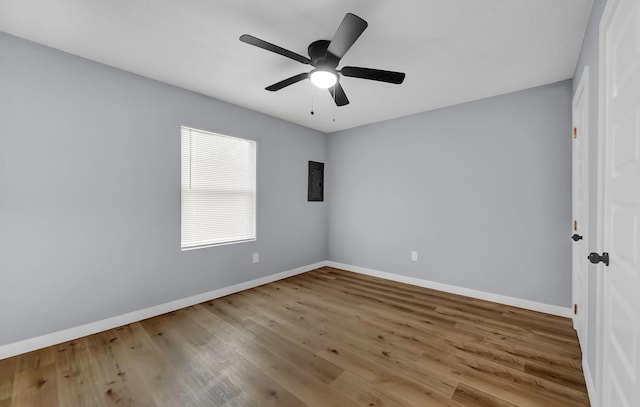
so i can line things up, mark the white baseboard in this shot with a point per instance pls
(65, 335)
(468, 292)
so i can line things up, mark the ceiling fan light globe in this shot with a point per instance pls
(323, 79)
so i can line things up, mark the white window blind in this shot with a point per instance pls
(218, 189)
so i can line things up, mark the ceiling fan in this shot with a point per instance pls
(325, 57)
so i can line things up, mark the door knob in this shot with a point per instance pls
(596, 258)
(576, 237)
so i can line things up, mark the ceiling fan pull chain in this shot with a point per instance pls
(334, 103)
(311, 97)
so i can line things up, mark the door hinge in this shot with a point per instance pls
(575, 225)
(575, 309)
(575, 132)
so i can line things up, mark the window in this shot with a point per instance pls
(218, 189)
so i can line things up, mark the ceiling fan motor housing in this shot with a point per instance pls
(320, 57)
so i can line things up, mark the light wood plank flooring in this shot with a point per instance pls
(324, 338)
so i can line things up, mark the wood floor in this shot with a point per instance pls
(324, 338)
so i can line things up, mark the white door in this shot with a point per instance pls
(579, 207)
(619, 212)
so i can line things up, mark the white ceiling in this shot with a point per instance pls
(452, 51)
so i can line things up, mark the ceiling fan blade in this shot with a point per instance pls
(250, 39)
(287, 82)
(338, 95)
(373, 74)
(348, 32)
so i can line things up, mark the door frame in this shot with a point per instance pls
(602, 89)
(582, 91)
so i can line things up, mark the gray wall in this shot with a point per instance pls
(589, 57)
(90, 193)
(481, 190)
(90, 196)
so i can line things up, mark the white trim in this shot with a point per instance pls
(607, 14)
(207, 245)
(582, 92)
(55, 338)
(588, 379)
(468, 292)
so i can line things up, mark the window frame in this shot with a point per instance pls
(253, 149)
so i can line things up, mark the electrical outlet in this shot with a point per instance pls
(256, 257)
(414, 256)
